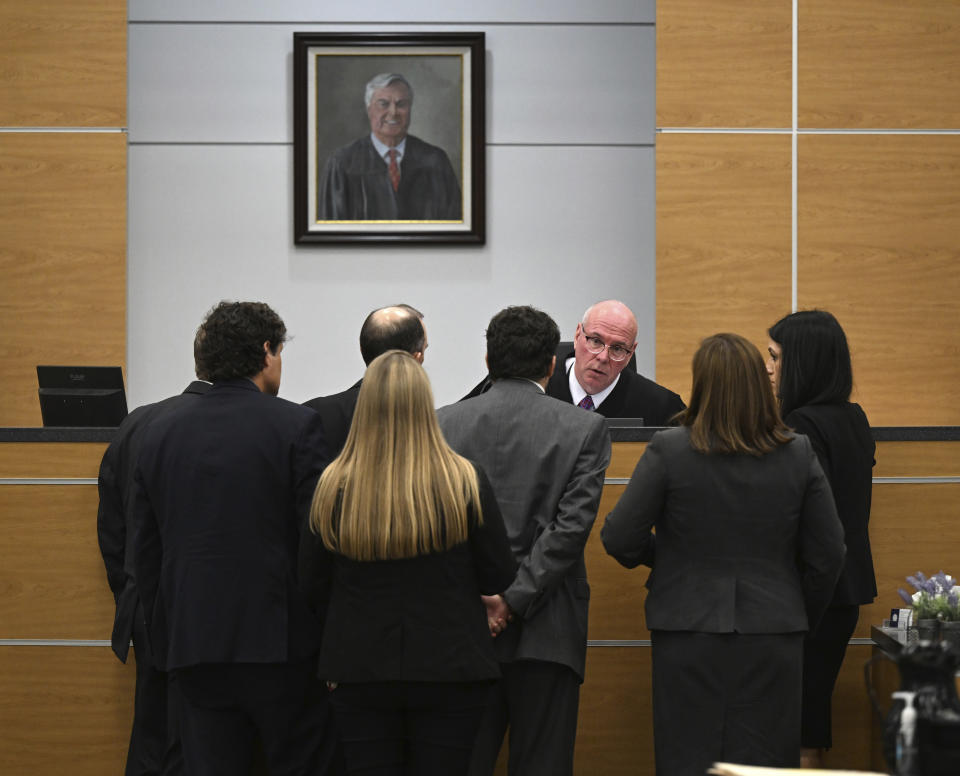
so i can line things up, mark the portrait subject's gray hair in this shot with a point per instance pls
(381, 81)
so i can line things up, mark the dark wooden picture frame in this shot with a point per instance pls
(433, 86)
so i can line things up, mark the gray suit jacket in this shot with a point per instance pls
(546, 461)
(743, 544)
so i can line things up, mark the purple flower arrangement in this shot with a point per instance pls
(936, 597)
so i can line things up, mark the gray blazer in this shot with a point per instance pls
(743, 544)
(546, 460)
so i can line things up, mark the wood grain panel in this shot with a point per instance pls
(617, 594)
(878, 247)
(63, 63)
(852, 714)
(917, 459)
(615, 725)
(912, 528)
(64, 710)
(624, 457)
(51, 459)
(879, 64)
(62, 259)
(723, 243)
(615, 730)
(52, 581)
(724, 64)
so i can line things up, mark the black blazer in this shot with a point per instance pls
(634, 396)
(743, 544)
(221, 488)
(336, 412)
(841, 438)
(115, 529)
(416, 619)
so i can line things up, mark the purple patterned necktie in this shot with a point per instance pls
(586, 402)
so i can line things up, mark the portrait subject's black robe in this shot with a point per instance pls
(355, 185)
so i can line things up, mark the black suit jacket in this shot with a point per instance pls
(634, 396)
(841, 438)
(743, 544)
(115, 527)
(336, 413)
(221, 489)
(414, 619)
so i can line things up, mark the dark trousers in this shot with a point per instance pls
(225, 708)
(823, 652)
(538, 701)
(155, 737)
(726, 697)
(409, 728)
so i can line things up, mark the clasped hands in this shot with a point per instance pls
(499, 613)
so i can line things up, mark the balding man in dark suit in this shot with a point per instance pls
(398, 327)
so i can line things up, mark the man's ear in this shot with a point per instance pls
(553, 365)
(486, 361)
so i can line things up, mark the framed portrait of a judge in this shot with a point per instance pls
(389, 138)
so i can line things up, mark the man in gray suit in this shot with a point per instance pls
(546, 460)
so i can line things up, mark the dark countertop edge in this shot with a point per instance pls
(626, 430)
(621, 430)
(57, 434)
(885, 641)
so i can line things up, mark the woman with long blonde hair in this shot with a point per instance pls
(746, 553)
(405, 535)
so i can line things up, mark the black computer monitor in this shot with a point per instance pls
(87, 396)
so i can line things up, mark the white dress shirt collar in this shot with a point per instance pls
(577, 393)
(382, 148)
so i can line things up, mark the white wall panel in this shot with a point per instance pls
(450, 11)
(232, 83)
(567, 226)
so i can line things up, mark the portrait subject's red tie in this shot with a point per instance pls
(394, 169)
(586, 402)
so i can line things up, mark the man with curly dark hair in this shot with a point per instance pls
(222, 487)
(546, 460)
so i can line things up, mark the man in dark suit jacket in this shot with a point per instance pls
(593, 375)
(546, 461)
(389, 175)
(398, 327)
(222, 486)
(155, 738)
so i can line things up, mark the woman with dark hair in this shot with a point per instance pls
(405, 535)
(746, 553)
(809, 366)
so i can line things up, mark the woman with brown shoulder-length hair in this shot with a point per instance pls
(747, 550)
(405, 535)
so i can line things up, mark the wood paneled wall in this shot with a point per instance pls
(877, 213)
(62, 192)
(63, 202)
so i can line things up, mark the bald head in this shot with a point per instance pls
(610, 323)
(398, 327)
